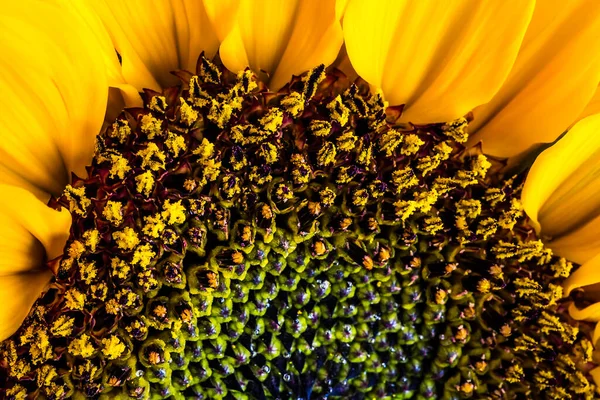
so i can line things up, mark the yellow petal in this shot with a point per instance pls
(30, 233)
(555, 75)
(282, 38)
(54, 91)
(155, 38)
(223, 14)
(593, 107)
(440, 59)
(17, 295)
(586, 275)
(562, 192)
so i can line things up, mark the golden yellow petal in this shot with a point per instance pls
(155, 38)
(580, 244)
(282, 39)
(223, 14)
(593, 107)
(54, 91)
(562, 192)
(555, 75)
(17, 295)
(440, 59)
(586, 275)
(30, 233)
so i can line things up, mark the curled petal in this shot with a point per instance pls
(562, 192)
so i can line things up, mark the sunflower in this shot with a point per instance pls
(301, 199)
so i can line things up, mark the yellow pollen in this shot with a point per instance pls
(63, 326)
(151, 126)
(74, 299)
(120, 130)
(88, 271)
(412, 144)
(143, 255)
(190, 185)
(78, 202)
(390, 141)
(480, 165)
(268, 152)
(188, 114)
(99, 291)
(319, 128)
(220, 113)
(404, 179)
(152, 157)
(327, 154)
(469, 208)
(120, 268)
(457, 130)
(347, 141)
(176, 144)
(92, 238)
(119, 166)
(126, 239)
(158, 104)
(327, 197)
(81, 346)
(76, 249)
(360, 198)
(174, 213)
(112, 347)
(441, 296)
(484, 286)
(144, 183)
(339, 112)
(113, 212)
(205, 150)
(153, 225)
(197, 96)
(294, 104)
(272, 120)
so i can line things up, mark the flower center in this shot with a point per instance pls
(229, 241)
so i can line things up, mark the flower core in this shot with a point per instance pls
(230, 242)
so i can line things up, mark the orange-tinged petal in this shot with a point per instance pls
(30, 233)
(440, 59)
(555, 75)
(282, 39)
(155, 38)
(562, 192)
(54, 90)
